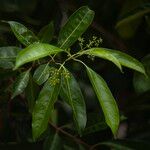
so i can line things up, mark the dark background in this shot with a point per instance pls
(14, 121)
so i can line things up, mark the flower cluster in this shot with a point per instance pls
(54, 76)
(94, 42)
(65, 73)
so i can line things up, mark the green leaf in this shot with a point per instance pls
(34, 52)
(127, 26)
(46, 33)
(43, 108)
(31, 93)
(41, 74)
(120, 58)
(106, 99)
(95, 128)
(8, 56)
(142, 83)
(21, 83)
(71, 93)
(53, 141)
(25, 36)
(95, 123)
(75, 27)
(127, 144)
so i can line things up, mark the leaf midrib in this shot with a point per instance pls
(34, 58)
(48, 107)
(43, 72)
(97, 93)
(74, 30)
(24, 78)
(22, 81)
(69, 95)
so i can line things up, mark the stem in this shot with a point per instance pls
(94, 146)
(77, 140)
(80, 62)
(52, 58)
(69, 58)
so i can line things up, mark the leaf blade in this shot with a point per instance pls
(7, 56)
(106, 100)
(71, 93)
(34, 52)
(25, 36)
(41, 74)
(141, 83)
(21, 83)
(127, 144)
(128, 25)
(43, 108)
(31, 92)
(53, 142)
(123, 59)
(75, 27)
(46, 33)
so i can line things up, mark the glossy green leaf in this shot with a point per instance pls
(21, 83)
(31, 93)
(34, 52)
(106, 100)
(46, 33)
(25, 36)
(120, 58)
(53, 142)
(43, 107)
(41, 74)
(71, 93)
(75, 27)
(8, 56)
(142, 83)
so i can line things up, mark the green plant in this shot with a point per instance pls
(39, 62)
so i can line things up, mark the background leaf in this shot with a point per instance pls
(53, 141)
(34, 52)
(95, 128)
(127, 144)
(25, 36)
(129, 24)
(41, 74)
(46, 33)
(20, 83)
(76, 25)
(8, 56)
(43, 107)
(142, 83)
(31, 93)
(106, 100)
(71, 93)
(122, 58)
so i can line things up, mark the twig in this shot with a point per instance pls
(94, 146)
(77, 140)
